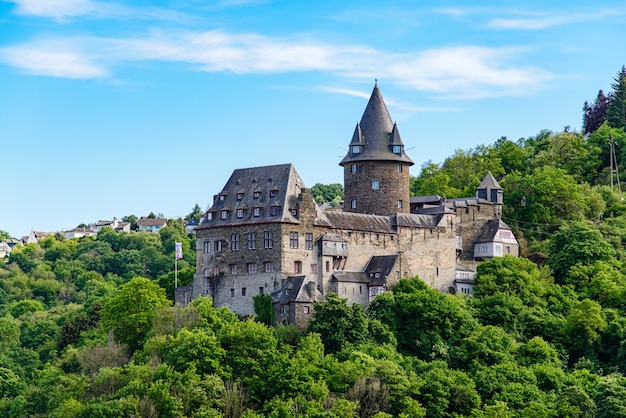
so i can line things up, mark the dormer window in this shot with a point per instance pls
(222, 197)
(356, 149)
(273, 210)
(396, 149)
(256, 195)
(256, 212)
(209, 216)
(240, 213)
(294, 212)
(273, 193)
(224, 214)
(239, 196)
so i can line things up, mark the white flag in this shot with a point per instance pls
(179, 250)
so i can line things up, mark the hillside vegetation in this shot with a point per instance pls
(88, 327)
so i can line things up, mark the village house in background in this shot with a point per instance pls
(264, 233)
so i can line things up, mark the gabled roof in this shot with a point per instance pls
(376, 133)
(360, 222)
(413, 220)
(295, 289)
(151, 221)
(258, 189)
(489, 183)
(382, 264)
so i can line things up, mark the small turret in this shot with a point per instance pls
(490, 190)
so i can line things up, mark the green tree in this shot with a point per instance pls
(327, 192)
(264, 309)
(195, 215)
(338, 324)
(577, 243)
(130, 312)
(616, 113)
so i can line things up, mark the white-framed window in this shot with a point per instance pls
(209, 216)
(313, 268)
(224, 214)
(396, 149)
(353, 204)
(222, 197)
(240, 213)
(273, 193)
(239, 196)
(252, 241)
(256, 212)
(216, 271)
(268, 240)
(353, 168)
(268, 266)
(233, 268)
(399, 204)
(207, 247)
(294, 212)
(218, 246)
(293, 240)
(308, 243)
(305, 309)
(375, 185)
(297, 267)
(234, 242)
(251, 268)
(356, 149)
(256, 194)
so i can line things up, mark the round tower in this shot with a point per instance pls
(376, 168)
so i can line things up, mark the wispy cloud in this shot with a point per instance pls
(66, 10)
(467, 71)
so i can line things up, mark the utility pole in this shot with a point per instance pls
(613, 164)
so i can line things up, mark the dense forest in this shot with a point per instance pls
(88, 327)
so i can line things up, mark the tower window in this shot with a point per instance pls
(399, 168)
(396, 149)
(354, 204)
(399, 204)
(356, 149)
(375, 185)
(353, 168)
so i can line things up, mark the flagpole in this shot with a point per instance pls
(175, 272)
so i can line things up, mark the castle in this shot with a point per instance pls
(265, 234)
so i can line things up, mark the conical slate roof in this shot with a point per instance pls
(376, 135)
(489, 183)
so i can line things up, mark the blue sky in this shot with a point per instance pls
(112, 108)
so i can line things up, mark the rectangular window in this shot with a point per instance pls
(268, 266)
(207, 247)
(251, 268)
(293, 240)
(268, 240)
(239, 213)
(252, 241)
(232, 293)
(243, 291)
(224, 214)
(356, 149)
(257, 212)
(239, 196)
(354, 204)
(216, 271)
(397, 149)
(261, 290)
(209, 216)
(353, 168)
(256, 195)
(399, 168)
(309, 241)
(234, 242)
(399, 204)
(294, 212)
(233, 268)
(283, 309)
(375, 185)
(306, 309)
(273, 210)
(313, 268)
(217, 246)
(327, 266)
(297, 267)
(273, 193)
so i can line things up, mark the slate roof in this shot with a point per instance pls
(413, 220)
(294, 289)
(261, 188)
(490, 229)
(151, 221)
(490, 183)
(360, 222)
(382, 264)
(376, 133)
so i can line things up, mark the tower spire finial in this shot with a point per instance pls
(375, 82)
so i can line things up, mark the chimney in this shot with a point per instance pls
(312, 290)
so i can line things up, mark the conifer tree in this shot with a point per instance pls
(616, 112)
